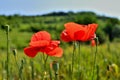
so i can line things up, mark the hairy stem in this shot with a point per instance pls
(73, 60)
(7, 65)
(94, 63)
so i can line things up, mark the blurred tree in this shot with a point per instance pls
(86, 18)
(116, 31)
(111, 23)
(56, 14)
(101, 35)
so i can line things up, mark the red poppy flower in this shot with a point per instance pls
(74, 31)
(41, 42)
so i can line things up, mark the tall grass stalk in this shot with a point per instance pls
(2, 63)
(56, 76)
(50, 73)
(94, 63)
(7, 36)
(108, 45)
(21, 70)
(18, 67)
(15, 57)
(97, 72)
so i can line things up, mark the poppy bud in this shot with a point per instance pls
(55, 66)
(97, 40)
(93, 43)
(22, 61)
(115, 68)
(14, 52)
(7, 28)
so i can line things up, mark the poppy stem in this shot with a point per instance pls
(45, 61)
(95, 58)
(15, 57)
(78, 58)
(45, 69)
(43, 57)
(73, 60)
(17, 63)
(7, 65)
(56, 76)
(32, 66)
(21, 70)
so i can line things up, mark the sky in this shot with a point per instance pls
(38, 7)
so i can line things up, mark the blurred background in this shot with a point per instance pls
(26, 17)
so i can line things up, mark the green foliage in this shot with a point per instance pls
(22, 26)
(29, 68)
(110, 25)
(101, 34)
(86, 18)
(116, 31)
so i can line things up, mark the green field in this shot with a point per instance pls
(105, 57)
(105, 67)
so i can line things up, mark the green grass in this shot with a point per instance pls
(22, 29)
(107, 54)
(104, 58)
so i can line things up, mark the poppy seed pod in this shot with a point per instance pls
(55, 66)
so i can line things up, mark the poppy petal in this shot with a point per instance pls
(72, 27)
(40, 43)
(65, 37)
(91, 30)
(31, 51)
(79, 35)
(41, 35)
(57, 52)
(55, 42)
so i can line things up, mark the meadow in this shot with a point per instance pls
(21, 67)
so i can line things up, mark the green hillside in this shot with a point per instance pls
(22, 67)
